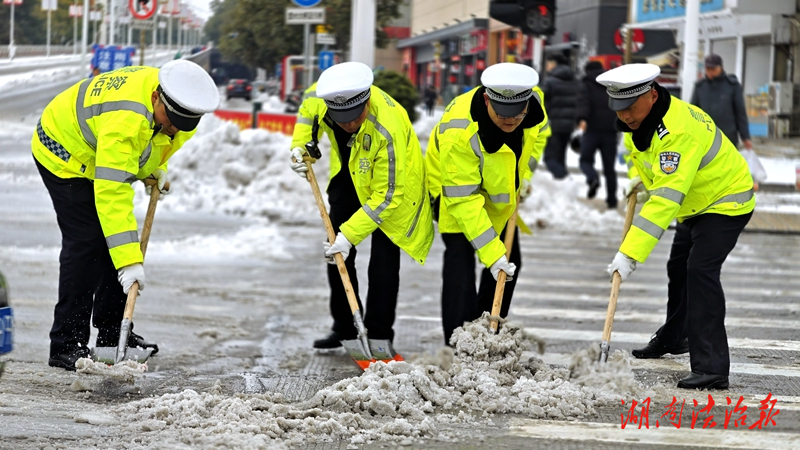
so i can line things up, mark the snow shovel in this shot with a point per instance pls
(508, 239)
(616, 280)
(114, 355)
(363, 350)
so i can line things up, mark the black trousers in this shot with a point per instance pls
(696, 302)
(88, 289)
(606, 142)
(555, 154)
(460, 302)
(384, 283)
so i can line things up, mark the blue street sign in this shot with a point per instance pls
(325, 60)
(306, 3)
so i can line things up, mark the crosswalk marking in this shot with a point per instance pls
(632, 286)
(666, 434)
(632, 316)
(642, 338)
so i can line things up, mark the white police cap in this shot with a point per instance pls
(188, 92)
(509, 86)
(345, 88)
(624, 84)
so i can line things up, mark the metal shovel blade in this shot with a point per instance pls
(383, 350)
(359, 353)
(108, 355)
(604, 349)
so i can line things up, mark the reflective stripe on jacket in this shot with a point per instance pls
(477, 189)
(690, 168)
(544, 133)
(102, 129)
(387, 169)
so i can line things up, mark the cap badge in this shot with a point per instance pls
(507, 93)
(339, 98)
(613, 88)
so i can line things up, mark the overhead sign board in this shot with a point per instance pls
(301, 16)
(306, 3)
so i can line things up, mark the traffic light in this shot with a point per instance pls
(535, 17)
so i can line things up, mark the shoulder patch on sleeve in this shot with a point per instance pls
(661, 130)
(669, 162)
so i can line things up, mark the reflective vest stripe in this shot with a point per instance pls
(416, 217)
(648, 165)
(545, 127)
(741, 197)
(712, 152)
(304, 120)
(126, 237)
(499, 198)
(310, 94)
(375, 215)
(476, 148)
(533, 164)
(455, 123)
(537, 97)
(51, 144)
(483, 239)
(669, 194)
(86, 113)
(146, 154)
(648, 227)
(460, 191)
(108, 174)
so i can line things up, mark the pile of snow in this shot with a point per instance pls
(403, 402)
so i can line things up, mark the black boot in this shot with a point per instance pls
(67, 359)
(655, 349)
(704, 381)
(333, 340)
(593, 185)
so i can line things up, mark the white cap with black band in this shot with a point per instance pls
(624, 84)
(509, 86)
(345, 88)
(188, 92)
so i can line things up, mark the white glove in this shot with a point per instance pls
(623, 264)
(298, 165)
(340, 245)
(507, 267)
(635, 186)
(524, 188)
(128, 274)
(161, 176)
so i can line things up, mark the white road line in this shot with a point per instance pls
(643, 338)
(632, 300)
(666, 434)
(681, 363)
(630, 316)
(605, 285)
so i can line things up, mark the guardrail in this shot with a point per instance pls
(41, 50)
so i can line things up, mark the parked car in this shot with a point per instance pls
(240, 88)
(6, 322)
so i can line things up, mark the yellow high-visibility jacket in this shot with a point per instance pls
(476, 189)
(544, 132)
(102, 129)
(626, 154)
(387, 168)
(690, 168)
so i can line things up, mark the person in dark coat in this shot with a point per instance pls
(720, 95)
(430, 99)
(596, 120)
(560, 99)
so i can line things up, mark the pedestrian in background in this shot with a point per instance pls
(430, 98)
(560, 100)
(691, 172)
(92, 142)
(720, 95)
(596, 120)
(478, 162)
(377, 188)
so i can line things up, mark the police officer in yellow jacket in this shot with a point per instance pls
(477, 160)
(92, 142)
(691, 172)
(377, 187)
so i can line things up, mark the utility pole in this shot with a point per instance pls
(690, 45)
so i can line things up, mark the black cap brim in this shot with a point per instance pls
(508, 109)
(618, 104)
(182, 123)
(346, 115)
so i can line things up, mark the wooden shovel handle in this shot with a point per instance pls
(323, 212)
(616, 279)
(146, 228)
(499, 289)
